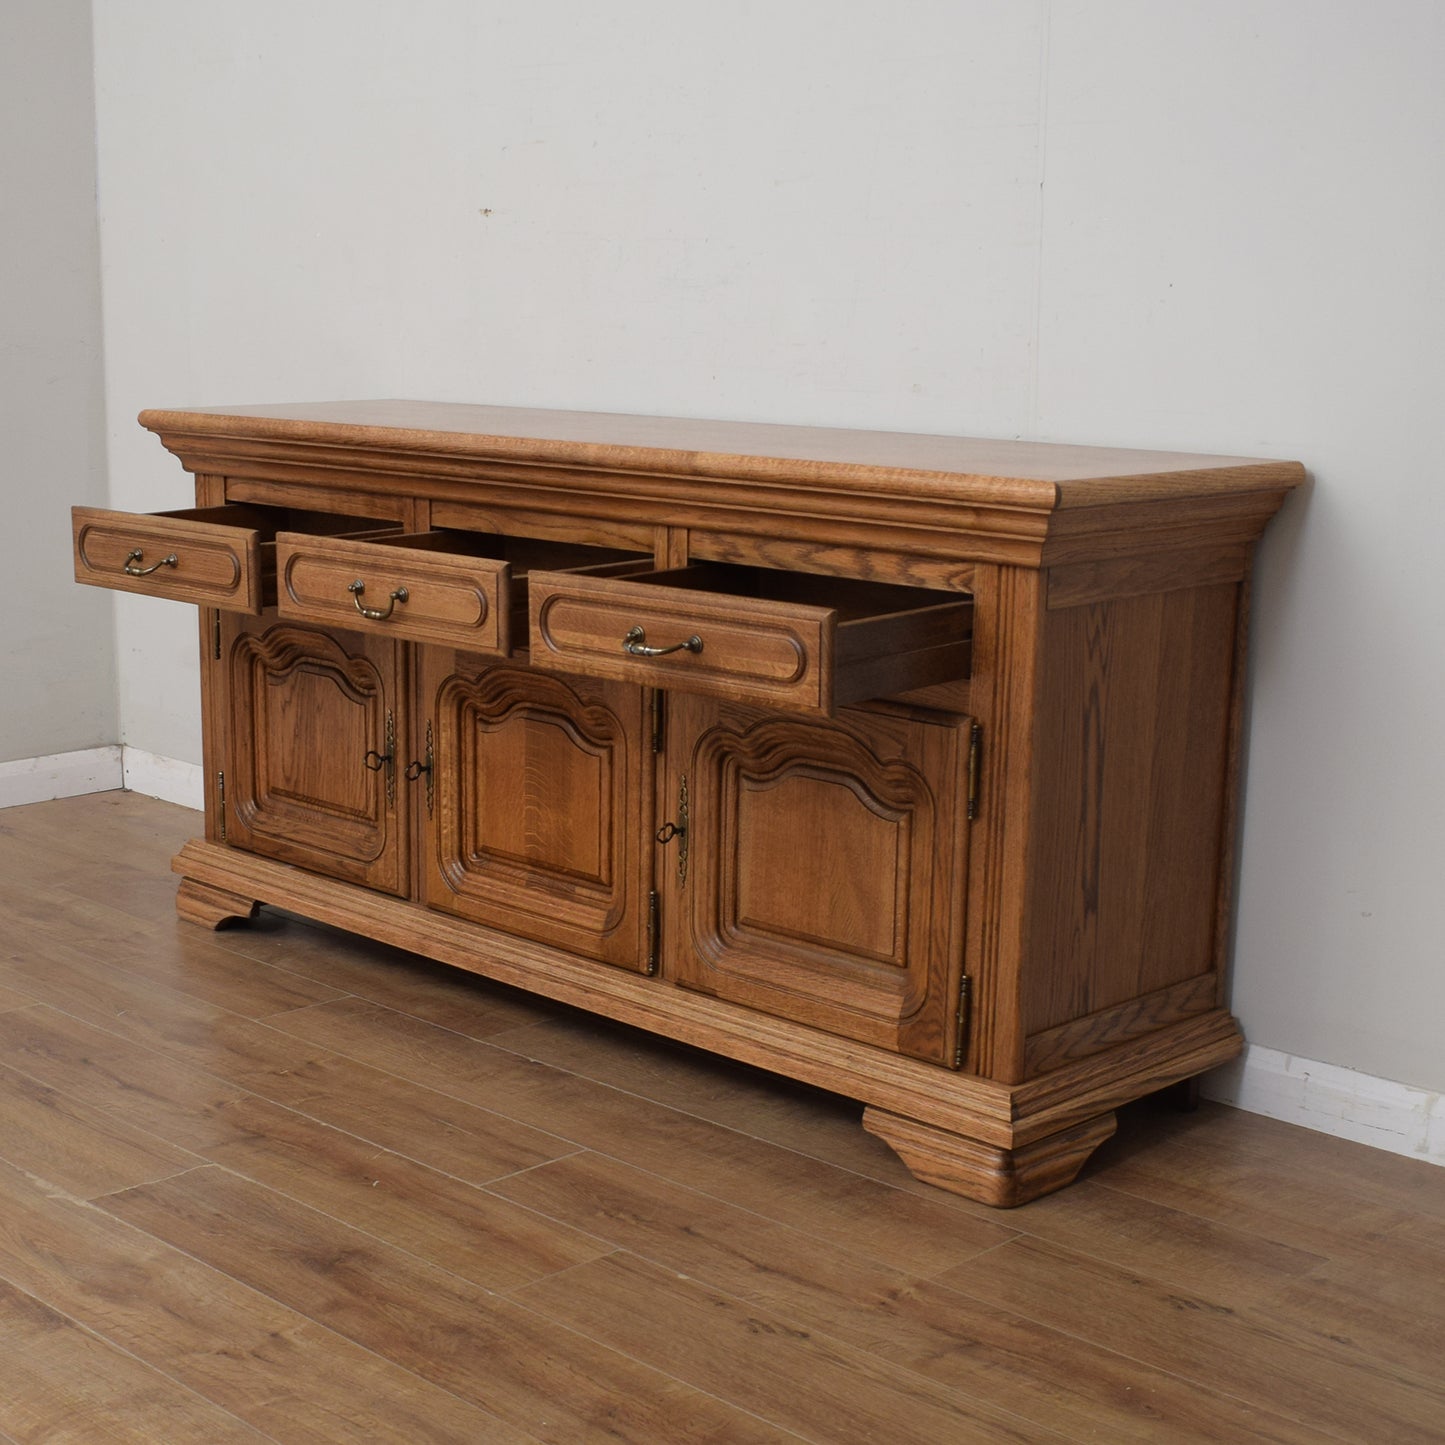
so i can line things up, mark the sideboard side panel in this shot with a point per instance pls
(1131, 803)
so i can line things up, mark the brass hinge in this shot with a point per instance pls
(658, 718)
(652, 930)
(975, 757)
(216, 633)
(221, 794)
(960, 1042)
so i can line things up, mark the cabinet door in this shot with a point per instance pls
(824, 868)
(314, 735)
(542, 796)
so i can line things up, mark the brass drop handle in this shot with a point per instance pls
(135, 556)
(376, 761)
(635, 645)
(375, 614)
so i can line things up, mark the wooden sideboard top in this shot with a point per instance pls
(1023, 475)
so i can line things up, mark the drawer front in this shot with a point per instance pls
(423, 596)
(175, 555)
(777, 654)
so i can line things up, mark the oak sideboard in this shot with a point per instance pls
(902, 765)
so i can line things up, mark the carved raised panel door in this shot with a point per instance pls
(539, 824)
(823, 877)
(315, 740)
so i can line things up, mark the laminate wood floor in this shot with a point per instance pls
(280, 1183)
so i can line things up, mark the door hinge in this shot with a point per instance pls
(652, 931)
(960, 1041)
(216, 633)
(221, 802)
(659, 718)
(975, 758)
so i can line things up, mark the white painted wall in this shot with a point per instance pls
(1209, 223)
(57, 644)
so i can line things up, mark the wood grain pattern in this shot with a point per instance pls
(1135, 576)
(773, 638)
(537, 1377)
(921, 1233)
(453, 597)
(869, 949)
(51, 1137)
(209, 557)
(543, 830)
(1018, 472)
(330, 958)
(1313, 1381)
(571, 528)
(422, 1210)
(1009, 605)
(64, 1384)
(1133, 733)
(1056, 1381)
(11, 999)
(1001, 1177)
(794, 555)
(270, 1366)
(1075, 613)
(808, 1383)
(1006, 1115)
(210, 906)
(682, 1243)
(428, 1125)
(1079, 1038)
(317, 738)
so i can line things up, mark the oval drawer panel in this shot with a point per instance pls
(780, 639)
(406, 585)
(458, 589)
(208, 555)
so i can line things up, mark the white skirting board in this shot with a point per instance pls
(164, 778)
(1333, 1100)
(1318, 1096)
(100, 770)
(61, 775)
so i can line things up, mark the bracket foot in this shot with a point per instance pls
(210, 906)
(986, 1172)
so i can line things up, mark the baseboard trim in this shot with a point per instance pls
(165, 778)
(60, 775)
(1331, 1100)
(101, 770)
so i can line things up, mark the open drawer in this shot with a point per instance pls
(215, 556)
(780, 639)
(456, 589)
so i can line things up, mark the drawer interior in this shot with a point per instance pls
(268, 521)
(521, 555)
(797, 640)
(852, 598)
(889, 638)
